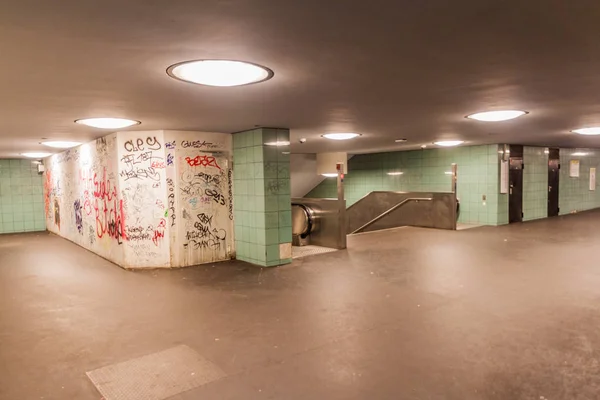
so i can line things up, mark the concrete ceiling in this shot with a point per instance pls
(386, 69)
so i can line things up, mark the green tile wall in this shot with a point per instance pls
(574, 193)
(21, 197)
(261, 191)
(535, 183)
(426, 170)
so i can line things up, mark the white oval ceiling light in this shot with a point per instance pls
(36, 155)
(222, 73)
(59, 144)
(496, 116)
(341, 136)
(594, 130)
(449, 143)
(108, 123)
(329, 175)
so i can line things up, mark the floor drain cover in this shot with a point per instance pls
(156, 376)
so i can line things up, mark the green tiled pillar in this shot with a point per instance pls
(261, 196)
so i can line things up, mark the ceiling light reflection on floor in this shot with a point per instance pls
(108, 123)
(496, 116)
(221, 73)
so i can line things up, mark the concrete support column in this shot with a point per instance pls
(261, 193)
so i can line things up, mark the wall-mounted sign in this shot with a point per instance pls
(503, 176)
(574, 169)
(592, 178)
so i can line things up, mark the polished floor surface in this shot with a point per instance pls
(489, 313)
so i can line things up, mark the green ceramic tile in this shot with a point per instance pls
(257, 152)
(271, 203)
(257, 137)
(272, 236)
(285, 234)
(273, 253)
(259, 187)
(284, 202)
(285, 218)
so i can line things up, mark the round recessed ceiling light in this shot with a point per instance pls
(495, 116)
(222, 73)
(58, 144)
(449, 143)
(36, 155)
(594, 130)
(341, 136)
(108, 123)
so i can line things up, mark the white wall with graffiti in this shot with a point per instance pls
(145, 199)
(199, 198)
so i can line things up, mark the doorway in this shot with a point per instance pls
(515, 180)
(553, 181)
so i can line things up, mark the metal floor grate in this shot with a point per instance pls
(305, 251)
(155, 376)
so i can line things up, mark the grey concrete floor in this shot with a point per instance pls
(489, 313)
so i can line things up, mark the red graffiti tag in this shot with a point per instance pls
(48, 190)
(202, 161)
(104, 189)
(159, 232)
(158, 164)
(110, 221)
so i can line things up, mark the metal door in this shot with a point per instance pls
(553, 181)
(515, 199)
(206, 212)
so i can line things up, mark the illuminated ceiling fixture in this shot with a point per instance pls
(496, 116)
(395, 173)
(108, 123)
(400, 140)
(449, 143)
(594, 130)
(278, 143)
(57, 144)
(341, 136)
(329, 175)
(222, 73)
(578, 154)
(36, 155)
(448, 173)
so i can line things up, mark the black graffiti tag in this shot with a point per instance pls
(230, 193)
(139, 144)
(204, 235)
(198, 144)
(215, 195)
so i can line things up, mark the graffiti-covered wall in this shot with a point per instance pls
(142, 182)
(144, 199)
(82, 199)
(199, 189)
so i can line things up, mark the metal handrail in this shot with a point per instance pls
(403, 202)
